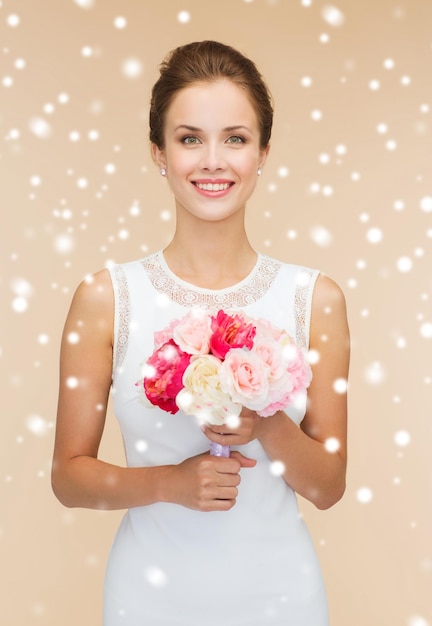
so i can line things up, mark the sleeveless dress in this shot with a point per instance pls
(254, 565)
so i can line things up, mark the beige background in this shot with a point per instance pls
(349, 193)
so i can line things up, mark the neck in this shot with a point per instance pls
(212, 255)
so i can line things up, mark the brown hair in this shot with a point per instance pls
(205, 61)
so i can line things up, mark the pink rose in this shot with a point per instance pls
(165, 369)
(192, 334)
(164, 335)
(230, 331)
(245, 378)
(295, 379)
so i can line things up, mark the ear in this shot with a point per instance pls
(158, 156)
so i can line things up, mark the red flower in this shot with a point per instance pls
(166, 366)
(230, 331)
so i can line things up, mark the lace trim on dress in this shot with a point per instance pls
(246, 292)
(122, 315)
(304, 283)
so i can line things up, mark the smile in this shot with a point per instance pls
(213, 186)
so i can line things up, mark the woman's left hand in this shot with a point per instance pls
(236, 434)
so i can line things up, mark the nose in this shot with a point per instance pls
(212, 158)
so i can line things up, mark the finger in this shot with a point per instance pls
(243, 460)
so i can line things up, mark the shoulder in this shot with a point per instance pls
(94, 295)
(327, 293)
(328, 315)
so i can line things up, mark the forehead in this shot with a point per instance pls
(212, 103)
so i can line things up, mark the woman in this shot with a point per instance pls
(206, 540)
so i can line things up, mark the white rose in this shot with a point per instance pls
(202, 394)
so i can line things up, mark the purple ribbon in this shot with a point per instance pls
(216, 449)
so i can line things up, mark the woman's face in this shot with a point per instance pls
(212, 149)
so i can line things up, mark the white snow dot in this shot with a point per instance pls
(43, 339)
(292, 234)
(418, 620)
(40, 127)
(35, 181)
(74, 136)
(341, 149)
(364, 495)
(63, 98)
(85, 4)
(316, 115)
(426, 204)
(156, 577)
(277, 468)
(7, 81)
(82, 183)
(399, 205)
(165, 215)
(37, 425)
(72, 382)
(332, 444)
(324, 38)
(306, 81)
(306, 3)
(184, 17)
(340, 385)
(389, 64)
(120, 22)
(110, 168)
(402, 438)
(391, 145)
(141, 445)
(87, 51)
(64, 243)
(20, 304)
(404, 264)
(13, 20)
(123, 234)
(283, 171)
(374, 235)
(324, 158)
(313, 356)
(426, 330)
(375, 374)
(93, 135)
(21, 287)
(132, 68)
(374, 85)
(333, 16)
(73, 337)
(321, 236)
(405, 80)
(382, 128)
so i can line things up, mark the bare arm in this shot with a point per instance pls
(313, 469)
(79, 478)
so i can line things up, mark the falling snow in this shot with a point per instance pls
(346, 188)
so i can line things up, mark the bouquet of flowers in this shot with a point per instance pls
(210, 366)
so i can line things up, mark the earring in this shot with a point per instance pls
(259, 172)
(162, 171)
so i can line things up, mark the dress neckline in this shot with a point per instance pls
(161, 258)
(252, 288)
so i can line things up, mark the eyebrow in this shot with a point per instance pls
(228, 129)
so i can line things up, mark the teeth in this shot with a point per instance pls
(213, 186)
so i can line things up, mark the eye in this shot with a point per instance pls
(190, 140)
(237, 139)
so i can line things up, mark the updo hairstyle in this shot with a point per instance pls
(208, 61)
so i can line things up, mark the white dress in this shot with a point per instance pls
(170, 565)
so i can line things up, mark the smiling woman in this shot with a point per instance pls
(197, 523)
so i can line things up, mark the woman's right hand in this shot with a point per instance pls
(206, 483)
